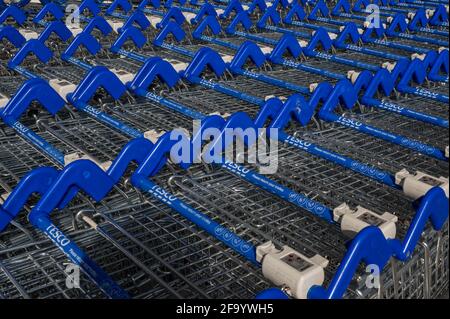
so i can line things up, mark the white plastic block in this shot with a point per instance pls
(418, 184)
(154, 20)
(313, 86)
(352, 75)
(62, 87)
(115, 25)
(226, 58)
(153, 135)
(28, 34)
(354, 220)
(388, 66)
(3, 100)
(265, 49)
(188, 16)
(290, 269)
(123, 75)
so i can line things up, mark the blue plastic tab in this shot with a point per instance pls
(35, 89)
(58, 28)
(173, 15)
(205, 10)
(83, 39)
(35, 182)
(243, 19)
(119, 4)
(89, 5)
(205, 57)
(12, 35)
(209, 23)
(144, 3)
(31, 46)
(257, 4)
(321, 38)
(371, 34)
(295, 13)
(13, 12)
(171, 28)
(154, 68)
(321, 8)
(136, 18)
(440, 16)
(49, 8)
(98, 23)
(233, 6)
(341, 6)
(419, 20)
(272, 15)
(287, 43)
(359, 5)
(350, 31)
(398, 25)
(440, 69)
(247, 50)
(130, 33)
(98, 76)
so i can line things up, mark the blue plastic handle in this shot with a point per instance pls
(372, 34)
(320, 38)
(49, 8)
(98, 76)
(247, 50)
(272, 15)
(205, 10)
(137, 17)
(154, 68)
(85, 39)
(260, 4)
(34, 89)
(208, 23)
(321, 8)
(89, 5)
(341, 6)
(130, 33)
(37, 181)
(397, 25)
(243, 19)
(205, 57)
(173, 15)
(12, 35)
(122, 4)
(287, 43)
(58, 28)
(295, 13)
(233, 6)
(440, 16)
(169, 3)
(350, 31)
(31, 46)
(171, 28)
(13, 12)
(144, 3)
(441, 65)
(420, 20)
(98, 23)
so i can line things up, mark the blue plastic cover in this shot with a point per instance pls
(173, 15)
(13, 12)
(31, 46)
(85, 39)
(122, 4)
(272, 15)
(341, 6)
(295, 13)
(89, 5)
(247, 50)
(12, 35)
(205, 57)
(49, 8)
(58, 28)
(321, 8)
(98, 23)
(154, 68)
(242, 18)
(137, 17)
(287, 43)
(130, 33)
(170, 28)
(208, 23)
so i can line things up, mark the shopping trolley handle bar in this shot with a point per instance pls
(441, 64)
(208, 23)
(90, 5)
(49, 8)
(98, 76)
(36, 181)
(169, 3)
(13, 12)
(171, 28)
(320, 38)
(173, 15)
(34, 89)
(350, 31)
(243, 19)
(154, 68)
(247, 50)
(321, 8)
(31, 46)
(58, 28)
(13, 36)
(205, 58)
(130, 33)
(296, 12)
(397, 25)
(233, 6)
(116, 4)
(343, 94)
(270, 15)
(205, 10)
(98, 23)
(82, 39)
(137, 17)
